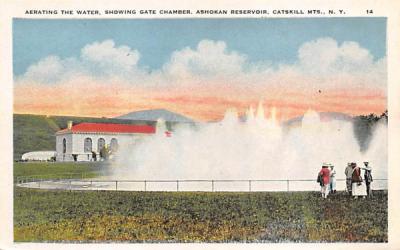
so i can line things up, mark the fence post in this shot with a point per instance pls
(70, 186)
(212, 185)
(177, 185)
(116, 185)
(249, 185)
(145, 186)
(287, 185)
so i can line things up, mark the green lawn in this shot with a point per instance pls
(49, 170)
(42, 215)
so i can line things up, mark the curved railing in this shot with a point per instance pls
(78, 182)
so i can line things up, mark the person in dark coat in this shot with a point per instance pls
(368, 178)
(94, 156)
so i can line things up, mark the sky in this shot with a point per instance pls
(199, 67)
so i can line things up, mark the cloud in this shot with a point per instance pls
(97, 60)
(105, 57)
(326, 56)
(210, 59)
(211, 71)
(47, 70)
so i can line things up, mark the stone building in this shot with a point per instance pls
(85, 141)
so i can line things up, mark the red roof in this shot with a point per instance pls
(111, 128)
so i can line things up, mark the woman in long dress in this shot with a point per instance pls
(358, 186)
(324, 174)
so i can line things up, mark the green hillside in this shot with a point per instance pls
(33, 132)
(36, 132)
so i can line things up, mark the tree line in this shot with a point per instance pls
(364, 127)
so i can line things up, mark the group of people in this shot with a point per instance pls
(355, 184)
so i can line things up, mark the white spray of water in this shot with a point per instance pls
(377, 151)
(258, 148)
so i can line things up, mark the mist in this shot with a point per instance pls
(257, 148)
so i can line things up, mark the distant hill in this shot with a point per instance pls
(154, 115)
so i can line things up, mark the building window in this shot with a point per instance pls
(64, 145)
(87, 145)
(114, 144)
(100, 144)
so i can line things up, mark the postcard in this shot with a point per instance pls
(200, 125)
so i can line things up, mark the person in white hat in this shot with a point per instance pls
(368, 177)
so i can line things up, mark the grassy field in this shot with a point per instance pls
(48, 170)
(42, 215)
(56, 215)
